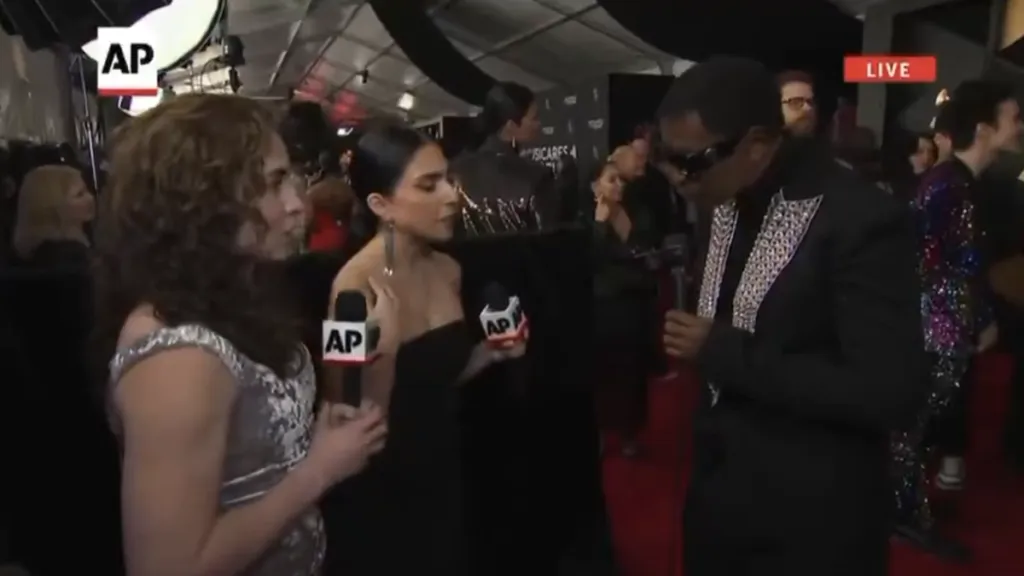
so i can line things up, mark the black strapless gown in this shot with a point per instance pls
(404, 514)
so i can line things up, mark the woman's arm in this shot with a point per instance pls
(483, 355)
(480, 359)
(175, 407)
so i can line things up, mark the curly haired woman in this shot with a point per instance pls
(210, 391)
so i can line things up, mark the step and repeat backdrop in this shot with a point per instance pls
(587, 122)
(574, 122)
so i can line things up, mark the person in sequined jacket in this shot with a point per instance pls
(983, 118)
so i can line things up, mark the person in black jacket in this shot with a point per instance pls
(625, 307)
(534, 499)
(807, 337)
(505, 192)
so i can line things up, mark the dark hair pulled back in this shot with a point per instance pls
(379, 159)
(505, 102)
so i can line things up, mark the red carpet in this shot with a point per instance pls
(645, 496)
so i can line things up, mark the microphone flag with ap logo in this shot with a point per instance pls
(350, 338)
(502, 318)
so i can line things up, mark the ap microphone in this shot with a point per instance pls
(351, 341)
(502, 318)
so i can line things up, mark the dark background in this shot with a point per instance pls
(590, 120)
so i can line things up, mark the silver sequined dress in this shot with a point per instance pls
(269, 434)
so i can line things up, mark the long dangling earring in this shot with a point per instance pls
(389, 248)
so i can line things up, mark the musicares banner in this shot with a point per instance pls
(574, 122)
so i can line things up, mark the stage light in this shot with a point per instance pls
(180, 28)
(233, 52)
(364, 77)
(215, 81)
(407, 101)
(344, 131)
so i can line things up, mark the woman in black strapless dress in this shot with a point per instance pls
(404, 514)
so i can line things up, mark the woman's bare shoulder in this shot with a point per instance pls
(139, 324)
(172, 376)
(355, 274)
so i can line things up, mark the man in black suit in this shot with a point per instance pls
(807, 335)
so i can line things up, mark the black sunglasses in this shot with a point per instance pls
(695, 163)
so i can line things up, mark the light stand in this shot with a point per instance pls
(87, 123)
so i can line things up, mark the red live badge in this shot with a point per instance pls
(889, 69)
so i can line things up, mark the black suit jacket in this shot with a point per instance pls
(824, 357)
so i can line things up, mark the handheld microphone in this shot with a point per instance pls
(502, 318)
(351, 341)
(675, 245)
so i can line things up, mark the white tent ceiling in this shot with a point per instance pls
(321, 47)
(538, 43)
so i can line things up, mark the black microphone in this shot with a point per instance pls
(350, 339)
(675, 247)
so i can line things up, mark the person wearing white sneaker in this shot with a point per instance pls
(950, 427)
(983, 118)
(952, 474)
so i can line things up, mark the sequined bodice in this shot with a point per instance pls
(954, 303)
(269, 434)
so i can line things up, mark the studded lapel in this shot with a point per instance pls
(782, 231)
(781, 234)
(723, 226)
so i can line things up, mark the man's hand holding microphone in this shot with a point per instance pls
(685, 334)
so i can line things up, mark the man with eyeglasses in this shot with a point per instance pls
(798, 105)
(807, 336)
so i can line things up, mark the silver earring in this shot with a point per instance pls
(389, 249)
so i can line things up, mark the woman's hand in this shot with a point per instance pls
(486, 353)
(605, 209)
(507, 351)
(344, 438)
(385, 313)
